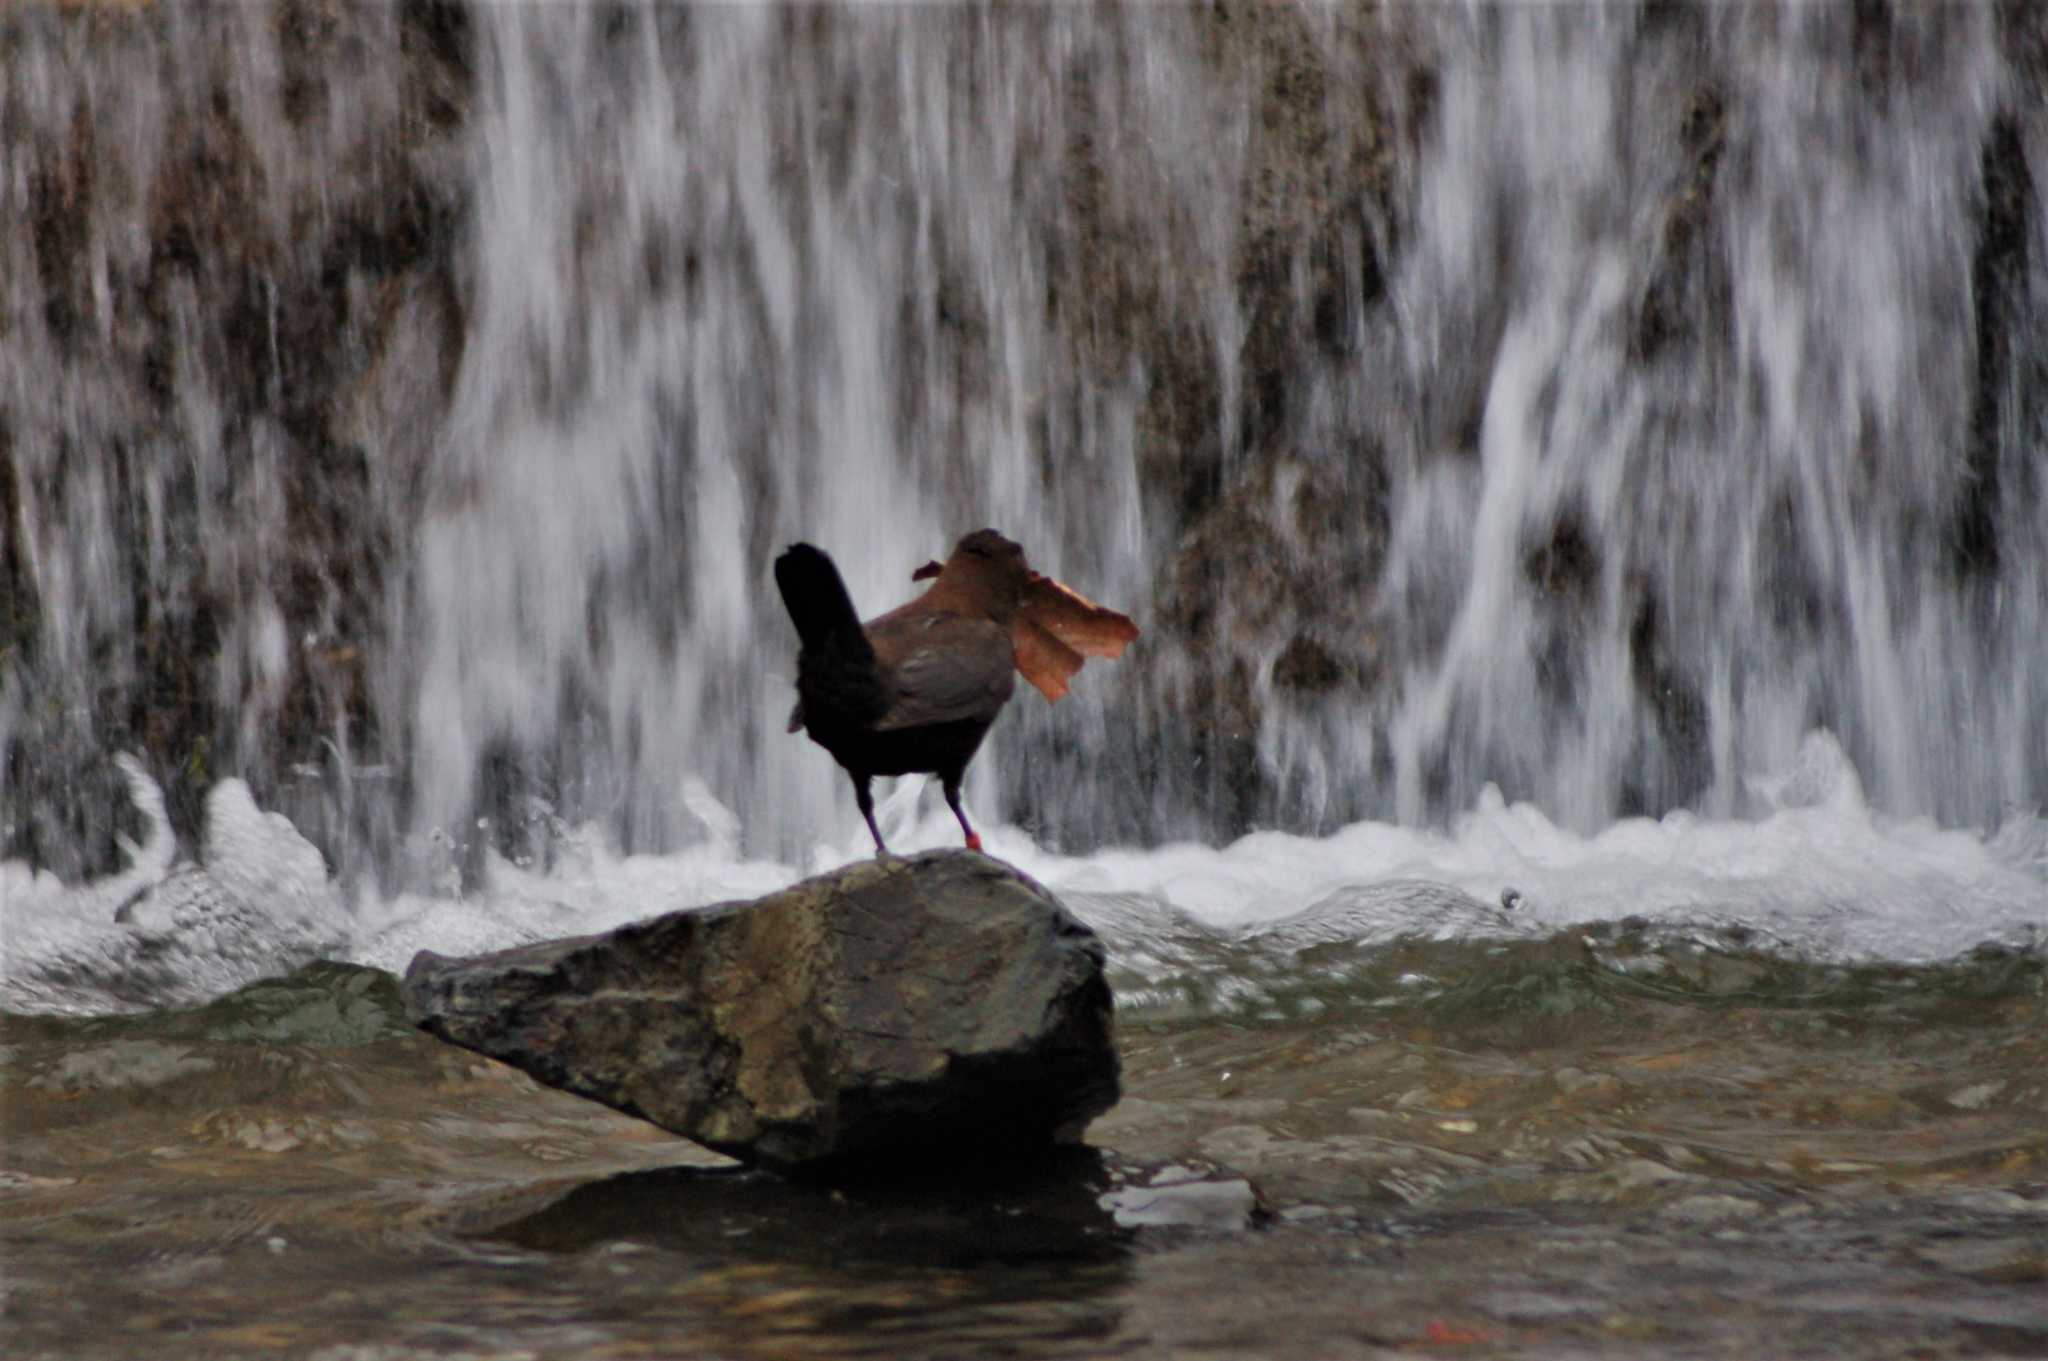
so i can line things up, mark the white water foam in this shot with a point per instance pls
(163, 932)
(1817, 870)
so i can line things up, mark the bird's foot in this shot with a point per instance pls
(973, 841)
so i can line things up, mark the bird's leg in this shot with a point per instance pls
(866, 801)
(952, 788)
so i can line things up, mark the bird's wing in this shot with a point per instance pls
(1056, 628)
(1088, 628)
(943, 668)
(1042, 658)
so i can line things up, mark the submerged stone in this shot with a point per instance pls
(937, 1009)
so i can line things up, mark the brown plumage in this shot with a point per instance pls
(916, 689)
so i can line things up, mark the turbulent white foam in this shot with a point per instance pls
(46, 924)
(39, 904)
(163, 932)
(1816, 869)
(1819, 869)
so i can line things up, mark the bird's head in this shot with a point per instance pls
(989, 568)
(992, 546)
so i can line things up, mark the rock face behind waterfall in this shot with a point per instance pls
(1459, 396)
(938, 1008)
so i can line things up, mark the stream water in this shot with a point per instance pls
(1683, 1087)
(1643, 951)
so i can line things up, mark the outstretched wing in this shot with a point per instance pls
(1056, 628)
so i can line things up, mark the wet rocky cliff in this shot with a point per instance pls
(403, 404)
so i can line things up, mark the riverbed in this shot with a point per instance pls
(1599, 1142)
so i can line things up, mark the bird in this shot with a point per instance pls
(916, 690)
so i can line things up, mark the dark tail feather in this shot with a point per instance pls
(818, 603)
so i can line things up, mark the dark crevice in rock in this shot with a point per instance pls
(1673, 305)
(2005, 222)
(1684, 763)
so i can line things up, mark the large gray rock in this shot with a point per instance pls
(942, 1007)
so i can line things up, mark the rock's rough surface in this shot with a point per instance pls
(937, 1007)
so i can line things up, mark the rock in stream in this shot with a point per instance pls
(939, 1008)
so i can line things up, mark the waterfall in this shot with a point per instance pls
(744, 278)
(403, 406)
(1742, 467)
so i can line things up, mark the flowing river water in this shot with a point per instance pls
(1568, 841)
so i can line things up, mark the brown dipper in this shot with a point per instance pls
(916, 689)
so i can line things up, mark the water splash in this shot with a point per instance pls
(1823, 879)
(166, 932)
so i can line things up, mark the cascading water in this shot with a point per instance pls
(725, 265)
(1739, 473)
(402, 412)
